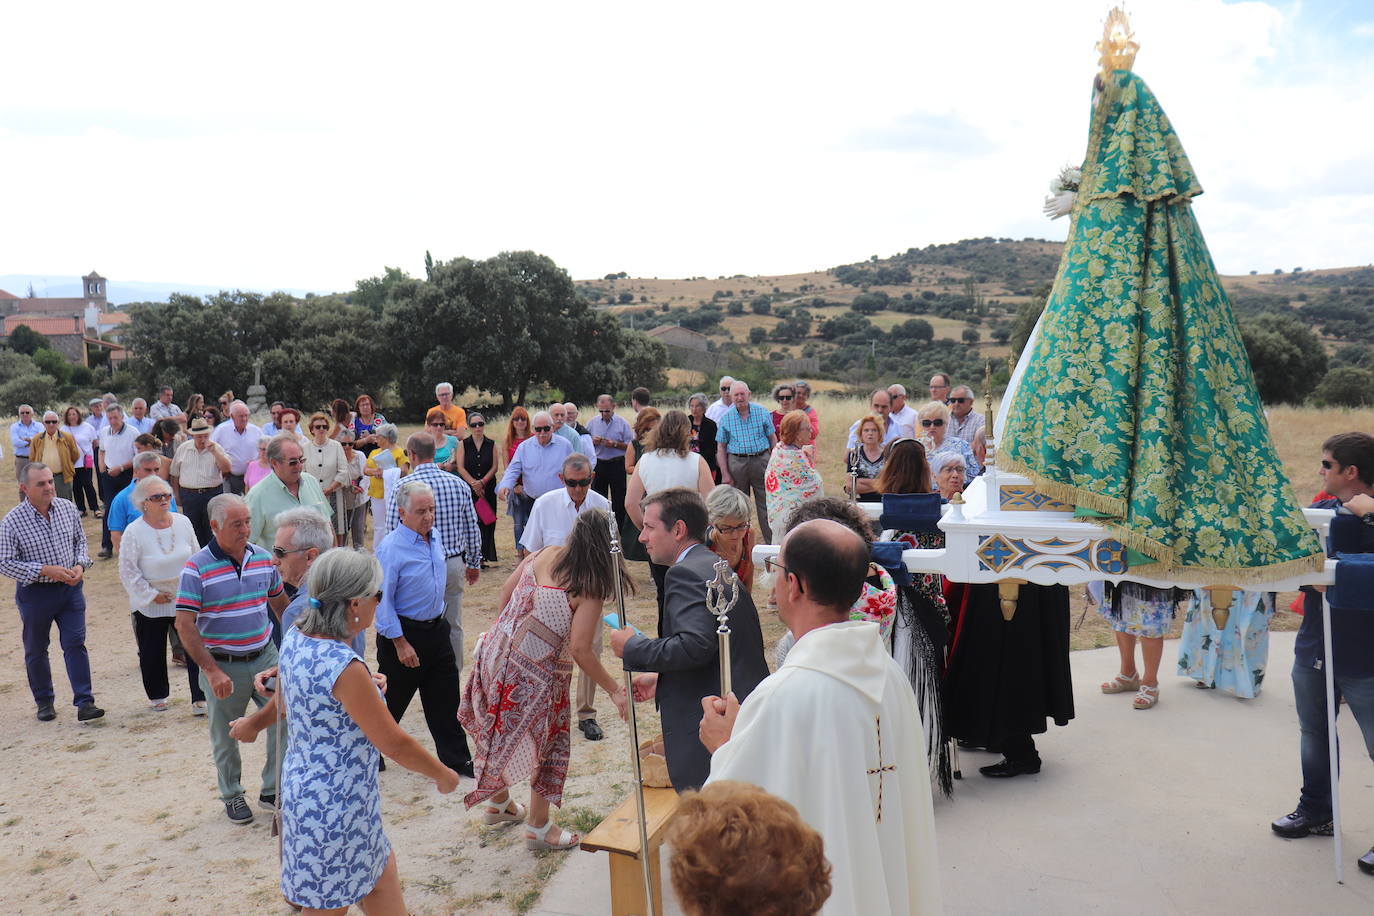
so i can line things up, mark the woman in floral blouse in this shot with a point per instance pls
(791, 478)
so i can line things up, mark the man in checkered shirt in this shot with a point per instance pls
(43, 548)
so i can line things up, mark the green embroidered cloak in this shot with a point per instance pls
(1138, 401)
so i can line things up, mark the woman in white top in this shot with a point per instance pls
(83, 489)
(668, 461)
(155, 548)
(324, 459)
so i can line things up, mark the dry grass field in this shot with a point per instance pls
(122, 816)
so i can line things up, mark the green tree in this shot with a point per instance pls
(54, 364)
(1287, 358)
(372, 292)
(1027, 314)
(1346, 386)
(845, 323)
(913, 329)
(735, 308)
(757, 335)
(34, 388)
(868, 303)
(971, 335)
(761, 305)
(24, 339)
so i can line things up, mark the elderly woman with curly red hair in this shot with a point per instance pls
(791, 478)
(729, 823)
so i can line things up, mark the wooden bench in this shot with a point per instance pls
(618, 835)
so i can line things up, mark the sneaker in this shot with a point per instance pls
(237, 810)
(1295, 825)
(46, 713)
(198, 708)
(268, 801)
(89, 711)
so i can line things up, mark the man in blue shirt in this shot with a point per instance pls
(611, 435)
(121, 512)
(21, 434)
(1347, 472)
(538, 460)
(744, 439)
(413, 646)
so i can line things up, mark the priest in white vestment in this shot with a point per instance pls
(836, 732)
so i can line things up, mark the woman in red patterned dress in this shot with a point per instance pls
(515, 703)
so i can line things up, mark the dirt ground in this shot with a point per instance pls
(123, 816)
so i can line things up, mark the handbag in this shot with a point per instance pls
(485, 514)
(630, 548)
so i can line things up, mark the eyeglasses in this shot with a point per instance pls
(26, 413)
(293, 462)
(49, 422)
(478, 425)
(725, 388)
(281, 553)
(771, 564)
(961, 400)
(436, 423)
(578, 484)
(161, 497)
(319, 426)
(732, 529)
(936, 422)
(543, 429)
(784, 397)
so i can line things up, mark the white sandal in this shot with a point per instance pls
(1146, 697)
(502, 814)
(539, 842)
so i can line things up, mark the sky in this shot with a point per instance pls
(309, 144)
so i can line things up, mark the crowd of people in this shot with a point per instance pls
(232, 543)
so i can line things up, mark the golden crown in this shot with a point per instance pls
(1118, 46)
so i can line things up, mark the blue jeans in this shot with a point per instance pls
(40, 606)
(1309, 693)
(518, 507)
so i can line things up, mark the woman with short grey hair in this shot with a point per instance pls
(334, 851)
(387, 456)
(154, 548)
(729, 533)
(949, 469)
(703, 433)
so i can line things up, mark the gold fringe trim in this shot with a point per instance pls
(1065, 493)
(1164, 566)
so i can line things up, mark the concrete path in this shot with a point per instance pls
(1135, 812)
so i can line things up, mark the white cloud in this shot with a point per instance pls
(311, 144)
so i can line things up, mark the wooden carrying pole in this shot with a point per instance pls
(617, 565)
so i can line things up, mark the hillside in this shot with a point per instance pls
(950, 305)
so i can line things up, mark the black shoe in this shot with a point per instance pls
(1295, 825)
(106, 553)
(381, 764)
(970, 746)
(590, 730)
(89, 711)
(1366, 862)
(237, 810)
(465, 769)
(46, 713)
(1008, 768)
(267, 801)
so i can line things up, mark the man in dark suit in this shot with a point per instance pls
(684, 660)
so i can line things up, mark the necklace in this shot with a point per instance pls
(157, 535)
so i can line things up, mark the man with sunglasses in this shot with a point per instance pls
(550, 523)
(56, 448)
(1347, 474)
(21, 434)
(902, 413)
(287, 487)
(538, 460)
(964, 422)
(713, 413)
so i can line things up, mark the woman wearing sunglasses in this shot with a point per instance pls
(154, 548)
(325, 461)
(933, 430)
(445, 445)
(478, 468)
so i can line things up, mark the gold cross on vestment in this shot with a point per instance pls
(880, 769)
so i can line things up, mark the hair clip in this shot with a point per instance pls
(315, 603)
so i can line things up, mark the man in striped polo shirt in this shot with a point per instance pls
(225, 625)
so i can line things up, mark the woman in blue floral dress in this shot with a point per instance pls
(1231, 660)
(334, 852)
